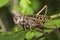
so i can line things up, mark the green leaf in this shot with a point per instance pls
(26, 7)
(36, 5)
(30, 35)
(54, 21)
(3, 2)
(53, 35)
(29, 6)
(13, 36)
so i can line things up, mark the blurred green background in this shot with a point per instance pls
(10, 31)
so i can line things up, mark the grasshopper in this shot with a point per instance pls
(33, 21)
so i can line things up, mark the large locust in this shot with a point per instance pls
(33, 21)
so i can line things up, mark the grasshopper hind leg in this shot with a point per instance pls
(45, 7)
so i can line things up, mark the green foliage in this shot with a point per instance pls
(28, 6)
(54, 21)
(30, 35)
(25, 6)
(54, 35)
(20, 35)
(3, 2)
(36, 5)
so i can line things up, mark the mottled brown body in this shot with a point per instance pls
(32, 21)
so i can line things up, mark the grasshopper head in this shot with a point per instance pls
(18, 19)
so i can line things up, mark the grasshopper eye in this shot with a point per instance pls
(16, 19)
